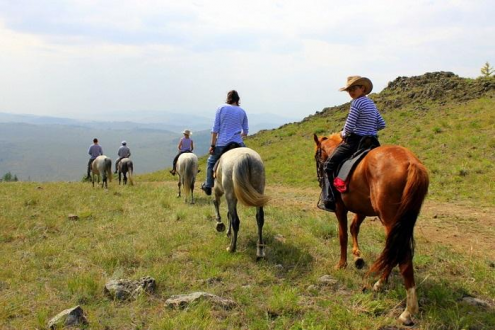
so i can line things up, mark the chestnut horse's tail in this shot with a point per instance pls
(400, 240)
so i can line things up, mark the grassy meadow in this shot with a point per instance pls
(51, 263)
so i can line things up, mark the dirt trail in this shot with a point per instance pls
(464, 228)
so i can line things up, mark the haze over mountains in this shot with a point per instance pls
(43, 148)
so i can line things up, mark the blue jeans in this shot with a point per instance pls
(210, 163)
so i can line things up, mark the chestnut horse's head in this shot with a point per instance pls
(325, 146)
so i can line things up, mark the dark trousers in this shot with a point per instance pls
(90, 162)
(174, 164)
(342, 152)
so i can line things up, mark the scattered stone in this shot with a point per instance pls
(69, 317)
(39, 188)
(476, 302)
(184, 300)
(123, 289)
(327, 280)
(312, 287)
(73, 217)
(279, 238)
(211, 280)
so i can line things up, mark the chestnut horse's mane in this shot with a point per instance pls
(335, 137)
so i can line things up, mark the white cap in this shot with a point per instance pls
(124, 143)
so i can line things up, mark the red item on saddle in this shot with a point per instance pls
(340, 184)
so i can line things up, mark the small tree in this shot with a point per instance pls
(8, 177)
(487, 70)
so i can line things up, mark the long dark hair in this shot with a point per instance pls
(233, 97)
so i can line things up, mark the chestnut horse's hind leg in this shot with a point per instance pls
(356, 223)
(260, 220)
(407, 271)
(342, 217)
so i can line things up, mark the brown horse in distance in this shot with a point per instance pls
(390, 183)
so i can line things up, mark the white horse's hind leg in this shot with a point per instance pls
(260, 219)
(234, 223)
(220, 225)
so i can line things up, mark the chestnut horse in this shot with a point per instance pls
(391, 183)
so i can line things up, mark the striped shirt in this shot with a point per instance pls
(185, 144)
(230, 122)
(364, 118)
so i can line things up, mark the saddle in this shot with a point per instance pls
(229, 146)
(366, 144)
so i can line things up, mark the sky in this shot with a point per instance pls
(90, 59)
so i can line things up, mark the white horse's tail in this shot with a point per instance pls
(248, 178)
(189, 174)
(130, 169)
(107, 168)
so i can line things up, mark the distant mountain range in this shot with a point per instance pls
(172, 122)
(43, 148)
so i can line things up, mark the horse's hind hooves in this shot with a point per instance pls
(359, 263)
(220, 227)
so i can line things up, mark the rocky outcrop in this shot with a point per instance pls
(432, 87)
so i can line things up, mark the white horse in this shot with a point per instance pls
(240, 175)
(125, 168)
(187, 168)
(102, 165)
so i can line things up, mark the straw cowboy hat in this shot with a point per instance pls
(187, 132)
(358, 81)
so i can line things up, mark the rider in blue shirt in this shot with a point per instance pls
(230, 125)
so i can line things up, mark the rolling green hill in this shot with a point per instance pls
(60, 242)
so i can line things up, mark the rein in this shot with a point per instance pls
(319, 166)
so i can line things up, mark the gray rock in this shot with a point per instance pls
(327, 280)
(475, 302)
(184, 300)
(123, 289)
(69, 317)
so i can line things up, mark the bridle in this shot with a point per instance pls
(319, 166)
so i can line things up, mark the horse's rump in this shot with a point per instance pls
(126, 167)
(187, 166)
(102, 166)
(243, 170)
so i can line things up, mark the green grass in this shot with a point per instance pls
(52, 263)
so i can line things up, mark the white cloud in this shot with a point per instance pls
(288, 57)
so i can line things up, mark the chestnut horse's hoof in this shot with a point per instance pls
(220, 227)
(359, 263)
(341, 265)
(406, 318)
